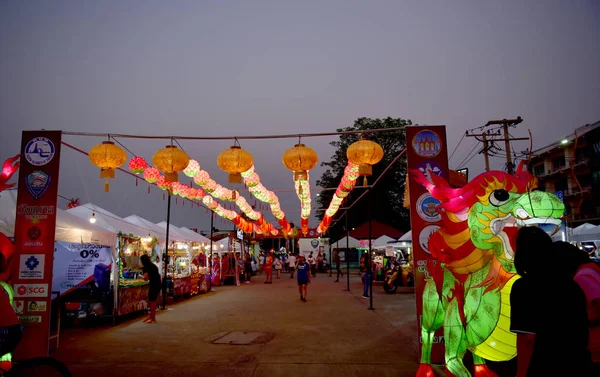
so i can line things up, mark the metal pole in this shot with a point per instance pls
(347, 254)
(210, 263)
(330, 265)
(507, 146)
(166, 255)
(370, 268)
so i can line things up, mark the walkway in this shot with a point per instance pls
(333, 334)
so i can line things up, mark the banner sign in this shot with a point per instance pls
(426, 151)
(35, 226)
(79, 264)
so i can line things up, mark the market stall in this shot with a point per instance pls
(180, 278)
(200, 267)
(129, 290)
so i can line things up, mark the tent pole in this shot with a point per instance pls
(166, 255)
(347, 253)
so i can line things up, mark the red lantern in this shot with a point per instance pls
(151, 174)
(163, 184)
(137, 165)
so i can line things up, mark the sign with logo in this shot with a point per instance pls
(37, 183)
(31, 290)
(36, 306)
(18, 305)
(24, 319)
(32, 266)
(427, 208)
(39, 151)
(78, 264)
(313, 245)
(34, 234)
(427, 153)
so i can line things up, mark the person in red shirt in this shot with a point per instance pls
(10, 329)
(269, 267)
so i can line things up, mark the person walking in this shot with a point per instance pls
(366, 276)
(548, 312)
(292, 265)
(303, 277)
(151, 274)
(247, 268)
(284, 264)
(269, 268)
(313, 265)
(278, 265)
(338, 266)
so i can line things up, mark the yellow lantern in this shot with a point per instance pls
(235, 161)
(365, 153)
(107, 156)
(300, 159)
(171, 161)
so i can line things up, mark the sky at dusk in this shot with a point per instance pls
(230, 68)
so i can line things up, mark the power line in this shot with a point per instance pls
(457, 145)
(468, 155)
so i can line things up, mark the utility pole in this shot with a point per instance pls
(488, 138)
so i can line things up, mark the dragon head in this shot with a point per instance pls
(480, 220)
(8, 169)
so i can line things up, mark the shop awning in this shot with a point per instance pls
(156, 231)
(196, 237)
(108, 221)
(175, 233)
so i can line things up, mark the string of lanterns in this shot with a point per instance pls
(346, 185)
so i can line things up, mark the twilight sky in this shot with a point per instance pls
(210, 68)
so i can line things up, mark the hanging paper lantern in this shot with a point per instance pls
(137, 165)
(365, 153)
(163, 184)
(192, 169)
(107, 156)
(201, 178)
(210, 186)
(151, 174)
(171, 161)
(234, 161)
(300, 159)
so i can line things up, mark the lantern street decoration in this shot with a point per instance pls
(171, 160)
(351, 174)
(192, 169)
(151, 174)
(300, 159)
(365, 153)
(107, 156)
(234, 161)
(137, 165)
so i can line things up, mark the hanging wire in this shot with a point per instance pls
(468, 155)
(124, 147)
(457, 145)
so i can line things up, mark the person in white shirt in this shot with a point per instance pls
(278, 264)
(292, 265)
(313, 265)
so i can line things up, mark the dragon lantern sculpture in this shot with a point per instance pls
(9, 168)
(469, 293)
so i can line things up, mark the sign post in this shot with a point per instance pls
(35, 226)
(427, 152)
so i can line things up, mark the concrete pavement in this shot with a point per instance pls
(333, 334)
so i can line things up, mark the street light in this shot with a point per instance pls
(93, 218)
(564, 141)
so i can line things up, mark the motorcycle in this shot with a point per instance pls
(395, 277)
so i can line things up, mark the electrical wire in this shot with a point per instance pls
(457, 145)
(468, 155)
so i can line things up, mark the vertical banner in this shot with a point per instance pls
(35, 226)
(427, 152)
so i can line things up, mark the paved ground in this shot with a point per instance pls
(333, 334)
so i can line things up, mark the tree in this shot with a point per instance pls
(387, 196)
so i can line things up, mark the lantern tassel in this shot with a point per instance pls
(365, 183)
(106, 187)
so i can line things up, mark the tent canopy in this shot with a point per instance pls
(196, 237)
(341, 243)
(108, 221)
(69, 228)
(407, 237)
(175, 233)
(383, 241)
(154, 230)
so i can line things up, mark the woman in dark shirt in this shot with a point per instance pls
(548, 312)
(152, 275)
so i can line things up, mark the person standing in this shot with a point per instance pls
(151, 274)
(548, 312)
(338, 265)
(303, 277)
(366, 276)
(247, 268)
(278, 265)
(292, 265)
(313, 265)
(269, 268)
(261, 262)
(284, 262)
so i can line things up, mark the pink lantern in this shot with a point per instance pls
(192, 169)
(201, 178)
(137, 165)
(151, 174)
(163, 184)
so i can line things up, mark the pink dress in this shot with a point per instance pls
(588, 279)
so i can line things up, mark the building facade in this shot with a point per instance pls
(570, 168)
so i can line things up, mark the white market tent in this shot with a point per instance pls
(175, 233)
(154, 230)
(196, 237)
(107, 220)
(341, 243)
(586, 232)
(407, 237)
(69, 228)
(382, 241)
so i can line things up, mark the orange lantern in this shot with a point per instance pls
(235, 161)
(107, 156)
(171, 161)
(300, 159)
(365, 153)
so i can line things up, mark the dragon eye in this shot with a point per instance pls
(499, 197)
